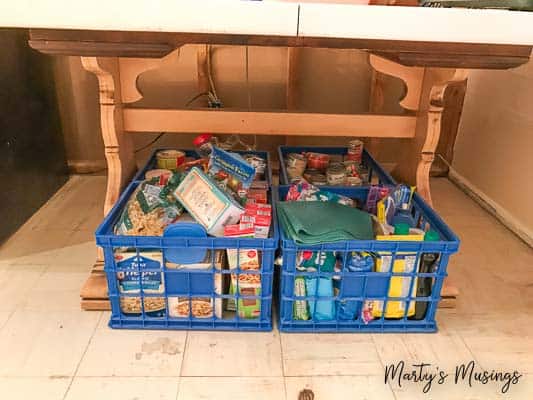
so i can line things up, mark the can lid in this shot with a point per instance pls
(431, 236)
(201, 139)
(401, 229)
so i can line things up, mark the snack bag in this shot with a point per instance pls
(320, 310)
(150, 208)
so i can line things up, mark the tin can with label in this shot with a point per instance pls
(353, 181)
(319, 180)
(297, 161)
(355, 151)
(310, 173)
(293, 173)
(170, 159)
(318, 161)
(351, 168)
(335, 174)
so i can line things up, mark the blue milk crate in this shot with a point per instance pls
(152, 162)
(161, 290)
(376, 173)
(353, 289)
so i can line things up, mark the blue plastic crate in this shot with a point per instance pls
(376, 174)
(354, 288)
(148, 307)
(152, 162)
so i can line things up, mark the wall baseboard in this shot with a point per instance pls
(502, 215)
(86, 166)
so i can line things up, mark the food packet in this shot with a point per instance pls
(320, 310)
(304, 191)
(151, 208)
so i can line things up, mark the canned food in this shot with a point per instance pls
(310, 173)
(162, 174)
(292, 173)
(170, 159)
(351, 168)
(355, 151)
(319, 180)
(297, 161)
(353, 181)
(318, 161)
(335, 174)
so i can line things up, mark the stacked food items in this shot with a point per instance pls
(221, 194)
(326, 274)
(323, 169)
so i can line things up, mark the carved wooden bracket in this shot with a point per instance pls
(411, 76)
(132, 68)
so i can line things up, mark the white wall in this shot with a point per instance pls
(494, 148)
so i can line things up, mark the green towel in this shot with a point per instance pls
(315, 222)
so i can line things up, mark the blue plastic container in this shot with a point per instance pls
(356, 288)
(376, 174)
(148, 292)
(152, 162)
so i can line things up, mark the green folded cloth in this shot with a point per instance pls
(315, 222)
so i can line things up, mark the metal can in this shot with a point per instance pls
(335, 174)
(170, 159)
(297, 161)
(310, 173)
(355, 151)
(319, 180)
(318, 161)
(351, 168)
(353, 181)
(293, 173)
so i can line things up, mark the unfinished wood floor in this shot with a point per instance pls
(49, 349)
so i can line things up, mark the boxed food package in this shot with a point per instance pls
(130, 276)
(202, 307)
(248, 284)
(231, 172)
(260, 215)
(207, 203)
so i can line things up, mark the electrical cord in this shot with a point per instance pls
(150, 143)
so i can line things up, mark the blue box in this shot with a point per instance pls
(357, 287)
(376, 174)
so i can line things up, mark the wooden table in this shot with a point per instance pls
(429, 49)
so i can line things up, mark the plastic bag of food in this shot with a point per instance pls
(151, 208)
(304, 191)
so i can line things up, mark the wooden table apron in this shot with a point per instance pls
(427, 69)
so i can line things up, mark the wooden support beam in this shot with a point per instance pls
(268, 123)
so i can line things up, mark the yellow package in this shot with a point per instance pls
(399, 285)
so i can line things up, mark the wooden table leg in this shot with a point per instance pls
(120, 161)
(422, 148)
(418, 154)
